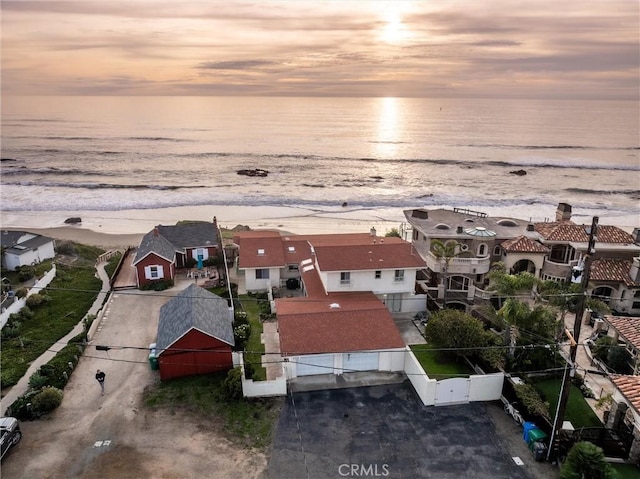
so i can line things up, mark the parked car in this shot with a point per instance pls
(11, 434)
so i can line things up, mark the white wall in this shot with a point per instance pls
(486, 388)
(253, 284)
(424, 386)
(366, 281)
(19, 304)
(392, 360)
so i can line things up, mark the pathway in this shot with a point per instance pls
(23, 385)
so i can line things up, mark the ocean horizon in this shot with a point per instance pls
(520, 158)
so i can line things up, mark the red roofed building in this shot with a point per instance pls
(625, 413)
(627, 330)
(338, 333)
(358, 262)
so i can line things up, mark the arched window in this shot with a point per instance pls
(482, 249)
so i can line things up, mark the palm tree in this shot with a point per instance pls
(444, 252)
(540, 323)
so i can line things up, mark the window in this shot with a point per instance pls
(482, 250)
(378, 274)
(416, 235)
(154, 272)
(399, 275)
(260, 252)
(293, 267)
(292, 249)
(345, 277)
(497, 251)
(262, 273)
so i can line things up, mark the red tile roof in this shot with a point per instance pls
(313, 326)
(522, 244)
(629, 386)
(569, 231)
(367, 257)
(261, 252)
(313, 285)
(628, 328)
(616, 270)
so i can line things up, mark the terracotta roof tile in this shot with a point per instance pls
(366, 257)
(265, 252)
(629, 386)
(313, 326)
(616, 270)
(522, 244)
(628, 328)
(569, 231)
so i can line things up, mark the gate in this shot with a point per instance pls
(452, 391)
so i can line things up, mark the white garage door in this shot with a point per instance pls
(314, 364)
(360, 361)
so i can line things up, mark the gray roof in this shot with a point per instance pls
(443, 223)
(190, 235)
(155, 243)
(170, 239)
(194, 308)
(9, 240)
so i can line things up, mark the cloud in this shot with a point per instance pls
(235, 65)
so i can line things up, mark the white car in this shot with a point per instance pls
(11, 434)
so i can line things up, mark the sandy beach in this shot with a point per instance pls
(112, 229)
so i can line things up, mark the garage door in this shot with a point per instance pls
(315, 364)
(360, 361)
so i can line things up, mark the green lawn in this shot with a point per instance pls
(626, 471)
(578, 411)
(254, 345)
(439, 365)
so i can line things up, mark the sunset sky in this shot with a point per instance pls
(402, 48)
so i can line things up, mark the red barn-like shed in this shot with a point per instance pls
(195, 334)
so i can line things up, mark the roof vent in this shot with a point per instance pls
(530, 227)
(334, 306)
(442, 226)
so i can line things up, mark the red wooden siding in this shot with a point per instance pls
(175, 364)
(151, 260)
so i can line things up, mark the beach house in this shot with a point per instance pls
(358, 262)
(195, 334)
(166, 248)
(21, 248)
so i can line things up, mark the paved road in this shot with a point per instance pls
(386, 430)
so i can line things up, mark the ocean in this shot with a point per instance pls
(91, 154)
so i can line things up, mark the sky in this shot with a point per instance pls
(585, 49)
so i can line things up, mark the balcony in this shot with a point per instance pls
(459, 265)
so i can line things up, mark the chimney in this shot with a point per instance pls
(155, 231)
(563, 213)
(215, 221)
(530, 227)
(372, 231)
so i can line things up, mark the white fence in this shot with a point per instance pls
(251, 388)
(36, 288)
(451, 391)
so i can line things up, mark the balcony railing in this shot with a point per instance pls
(459, 265)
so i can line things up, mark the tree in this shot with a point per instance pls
(538, 325)
(586, 461)
(393, 232)
(445, 252)
(458, 330)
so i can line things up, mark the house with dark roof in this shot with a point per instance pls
(166, 248)
(21, 248)
(338, 333)
(195, 334)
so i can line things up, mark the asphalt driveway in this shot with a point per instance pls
(385, 431)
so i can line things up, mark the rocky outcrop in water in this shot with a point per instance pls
(74, 220)
(518, 172)
(253, 172)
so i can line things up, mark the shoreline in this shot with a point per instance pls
(126, 227)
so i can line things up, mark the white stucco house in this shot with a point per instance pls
(21, 248)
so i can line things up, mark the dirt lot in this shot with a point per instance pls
(114, 436)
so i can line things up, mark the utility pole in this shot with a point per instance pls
(571, 368)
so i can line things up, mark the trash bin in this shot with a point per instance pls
(535, 435)
(526, 427)
(153, 362)
(539, 451)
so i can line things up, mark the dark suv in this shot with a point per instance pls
(11, 434)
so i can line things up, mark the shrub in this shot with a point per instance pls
(619, 359)
(157, 285)
(26, 273)
(586, 460)
(530, 398)
(21, 408)
(66, 247)
(35, 300)
(37, 381)
(241, 334)
(602, 346)
(21, 292)
(47, 400)
(232, 385)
